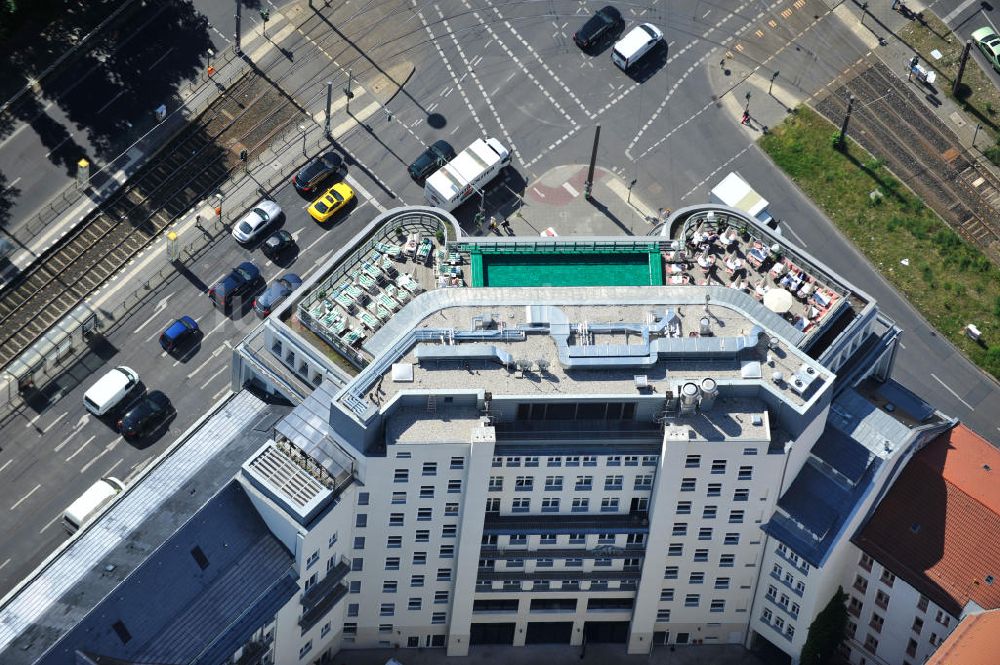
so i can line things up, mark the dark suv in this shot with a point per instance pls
(315, 172)
(437, 155)
(601, 28)
(242, 280)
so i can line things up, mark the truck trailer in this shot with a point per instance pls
(470, 171)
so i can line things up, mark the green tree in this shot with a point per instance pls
(826, 632)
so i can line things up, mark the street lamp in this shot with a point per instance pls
(302, 128)
(771, 84)
(747, 109)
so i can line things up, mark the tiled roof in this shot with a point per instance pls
(938, 527)
(976, 641)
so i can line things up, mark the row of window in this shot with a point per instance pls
(710, 512)
(574, 460)
(402, 475)
(783, 600)
(697, 577)
(725, 560)
(457, 462)
(609, 504)
(767, 616)
(718, 467)
(399, 519)
(583, 483)
(715, 489)
(778, 573)
(571, 539)
(705, 533)
(543, 562)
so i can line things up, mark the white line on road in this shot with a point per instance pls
(46, 429)
(313, 243)
(110, 102)
(902, 346)
(80, 449)
(201, 366)
(51, 522)
(569, 188)
(216, 396)
(32, 421)
(113, 467)
(160, 306)
(6, 464)
(25, 497)
(958, 10)
(216, 328)
(211, 378)
(160, 59)
(357, 186)
(14, 182)
(795, 235)
(946, 387)
(2, 565)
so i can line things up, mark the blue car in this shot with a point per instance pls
(275, 294)
(242, 280)
(177, 333)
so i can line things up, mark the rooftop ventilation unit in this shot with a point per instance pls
(803, 378)
(641, 381)
(704, 326)
(689, 398)
(709, 391)
(778, 378)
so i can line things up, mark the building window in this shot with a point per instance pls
(854, 606)
(943, 618)
(496, 484)
(574, 563)
(721, 582)
(709, 512)
(772, 591)
(544, 563)
(353, 609)
(360, 521)
(648, 460)
(663, 615)
(776, 570)
(524, 483)
(416, 581)
(396, 519)
(887, 578)
(423, 514)
(609, 505)
(438, 617)
(550, 505)
(426, 492)
(911, 648)
(766, 615)
(518, 539)
(522, 505)
(389, 586)
(745, 473)
(314, 557)
(589, 460)
(718, 606)
(692, 462)
(918, 625)
(727, 560)
(783, 601)
(385, 628)
(749, 451)
(675, 549)
(531, 461)
(444, 575)
(513, 461)
(363, 498)
(553, 483)
(741, 495)
(414, 604)
(577, 538)
(731, 539)
(643, 482)
(800, 587)
(401, 475)
(419, 558)
(866, 562)
(701, 555)
(357, 564)
(670, 573)
(440, 597)
(882, 599)
(547, 539)
(718, 466)
(422, 536)
(387, 609)
(354, 587)
(497, 462)
(860, 583)
(922, 603)
(333, 540)
(392, 563)
(705, 533)
(795, 609)
(554, 461)
(457, 463)
(580, 505)
(613, 482)
(398, 498)
(871, 644)
(688, 484)
(631, 460)
(454, 486)
(584, 483)
(683, 508)
(696, 577)
(572, 460)
(605, 539)
(666, 594)
(692, 600)
(876, 623)
(305, 649)
(451, 510)
(736, 517)
(714, 489)
(430, 469)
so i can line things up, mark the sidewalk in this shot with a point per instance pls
(556, 201)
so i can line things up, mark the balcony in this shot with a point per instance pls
(317, 591)
(552, 575)
(637, 522)
(323, 605)
(600, 552)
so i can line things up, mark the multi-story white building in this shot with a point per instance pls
(927, 555)
(596, 439)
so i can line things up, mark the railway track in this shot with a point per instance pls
(181, 174)
(891, 123)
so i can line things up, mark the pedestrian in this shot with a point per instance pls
(746, 118)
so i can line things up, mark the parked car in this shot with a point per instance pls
(315, 172)
(430, 160)
(631, 48)
(255, 222)
(242, 280)
(146, 415)
(275, 294)
(989, 43)
(334, 200)
(178, 333)
(277, 244)
(600, 28)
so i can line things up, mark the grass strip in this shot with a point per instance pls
(950, 282)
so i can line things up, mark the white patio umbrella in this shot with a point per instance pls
(779, 300)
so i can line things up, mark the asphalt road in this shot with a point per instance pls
(508, 71)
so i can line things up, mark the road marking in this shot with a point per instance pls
(364, 192)
(107, 449)
(160, 306)
(80, 449)
(314, 243)
(903, 346)
(111, 101)
(795, 235)
(946, 387)
(51, 522)
(2, 565)
(46, 429)
(569, 188)
(216, 396)
(212, 378)
(201, 366)
(14, 182)
(216, 328)
(958, 10)
(32, 421)
(159, 60)
(113, 467)
(6, 464)
(25, 497)
(272, 42)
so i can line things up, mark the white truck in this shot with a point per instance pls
(91, 501)
(736, 192)
(449, 186)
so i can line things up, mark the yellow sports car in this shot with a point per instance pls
(332, 201)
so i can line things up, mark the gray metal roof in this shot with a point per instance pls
(56, 597)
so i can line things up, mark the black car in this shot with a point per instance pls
(437, 155)
(602, 27)
(243, 279)
(315, 172)
(146, 415)
(277, 244)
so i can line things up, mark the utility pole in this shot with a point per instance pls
(746, 109)
(302, 128)
(265, 14)
(347, 92)
(864, 10)
(588, 186)
(236, 37)
(961, 67)
(843, 128)
(329, 104)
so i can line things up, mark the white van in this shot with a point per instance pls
(639, 41)
(110, 390)
(90, 502)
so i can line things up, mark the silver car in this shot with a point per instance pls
(255, 222)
